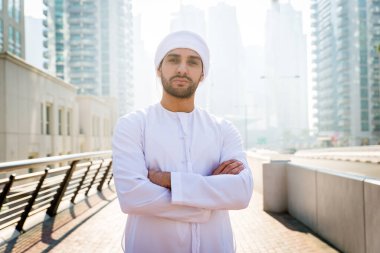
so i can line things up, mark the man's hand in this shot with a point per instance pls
(160, 178)
(233, 167)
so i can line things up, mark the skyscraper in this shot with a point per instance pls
(226, 50)
(89, 44)
(285, 76)
(12, 32)
(346, 70)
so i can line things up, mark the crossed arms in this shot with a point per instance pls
(191, 197)
(163, 178)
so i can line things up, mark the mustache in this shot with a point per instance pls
(178, 76)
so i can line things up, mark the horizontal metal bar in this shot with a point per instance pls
(41, 203)
(12, 202)
(47, 192)
(59, 169)
(11, 215)
(4, 181)
(39, 209)
(45, 196)
(9, 223)
(29, 175)
(38, 162)
(67, 197)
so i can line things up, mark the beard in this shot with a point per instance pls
(181, 92)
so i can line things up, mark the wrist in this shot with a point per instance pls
(166, 180)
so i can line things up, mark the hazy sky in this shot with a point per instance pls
(156, 16)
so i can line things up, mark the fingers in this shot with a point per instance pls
(222, 166)
(229, 167)
(237, 170)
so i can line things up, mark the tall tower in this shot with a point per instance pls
(345, 70)
(12, 31)
(226, 51)
(89, 44)
(285, 75)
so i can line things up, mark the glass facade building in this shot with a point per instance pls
(345, 74)
(88, 43)
(12, 29)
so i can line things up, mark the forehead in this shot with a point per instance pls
(183, 52)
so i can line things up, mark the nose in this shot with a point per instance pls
(182, 68)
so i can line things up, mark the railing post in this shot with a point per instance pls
(80, 184)
(100, 186)
(6, 190)
(52, 210)
(93, 179)
(31, 201)
(109, 181)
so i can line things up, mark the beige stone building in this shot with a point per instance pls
(41, 115)
(96, 121)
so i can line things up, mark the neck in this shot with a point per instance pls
(175, 104)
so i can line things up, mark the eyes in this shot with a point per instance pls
(190, 61)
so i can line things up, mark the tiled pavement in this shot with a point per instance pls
(97, 226)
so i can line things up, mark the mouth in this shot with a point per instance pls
(180, 81)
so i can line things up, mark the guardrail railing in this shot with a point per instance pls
(41, 185)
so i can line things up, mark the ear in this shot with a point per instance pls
(202, 77)
(158, 72)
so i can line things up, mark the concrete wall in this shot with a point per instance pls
(25, 92)
(302, 194)
(372, 214)
(275, 187)
(340, 210)
(343, 208)
(96, 120)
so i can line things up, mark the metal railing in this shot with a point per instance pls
(54, 180)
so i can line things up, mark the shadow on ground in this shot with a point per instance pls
(64, 223)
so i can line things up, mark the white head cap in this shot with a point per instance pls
(183, 39)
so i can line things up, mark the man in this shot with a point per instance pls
(177, 169)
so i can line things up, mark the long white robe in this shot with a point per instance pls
(193, 215)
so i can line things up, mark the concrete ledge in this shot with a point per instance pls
(302, 194)
(275, 187)
(340, 210)
(372, 214)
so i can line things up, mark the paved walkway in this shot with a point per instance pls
(97, 225)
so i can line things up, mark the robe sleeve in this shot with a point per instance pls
(223, 192)
(136, 194)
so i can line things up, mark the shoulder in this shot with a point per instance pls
(137, 116)
(134, 120)
(218, 121)
(211, 118)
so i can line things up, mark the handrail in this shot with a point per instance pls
(33, 163)
(95, 167)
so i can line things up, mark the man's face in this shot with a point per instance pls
(181, 71)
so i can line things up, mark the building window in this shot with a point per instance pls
(60, 121)
(95, 126)
(365, 126)
(11, 48)
(1, 34)
(10, 8)
(49, 117)
(17, 9)
(18, 43)
(42, 117)
(69, 122)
